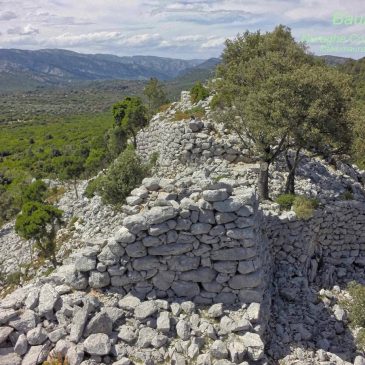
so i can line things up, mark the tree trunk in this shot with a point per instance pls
(75, 187)
(290, 181)
(263, 181)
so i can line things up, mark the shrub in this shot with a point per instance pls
(197, 112)
(36, 192)
(356, 306)
(59, 360)
(304, 207)
(124, 174)
(347, 195)
(285, 201)
(153, 159)
(91, 188)
(198, 92)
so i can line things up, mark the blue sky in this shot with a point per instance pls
(181, 29)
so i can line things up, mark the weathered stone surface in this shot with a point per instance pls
(9, 357)
(219, 350)
(6, 315)
(83, 263)
(145, 309)
(160, 214)
(233, 254)
(100, 323)
(246, 267)
(21, 346)
(36, 336)
(127, 334)
(4, 333)
(129, 302)
(124, 236)
(163, 322)
(99, 279)
(48, 297)
(183, 330)
(201, 275)
(254, 345)
(135, 223)
(35, 355)
(216, 310)
(97, 344)
(146, 263)
(223, 218)
(215, 195)
(146, 336)
(185, 289)
(163, 280)
(171, 249)
(24, 322)
(78, 322)
(136, 249)
(227, 267)
(246, 281)
(200, 228)
(183, 263)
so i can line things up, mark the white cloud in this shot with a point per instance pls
(27, 30)
(7, 15)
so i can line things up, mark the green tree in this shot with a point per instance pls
(251, 65)
(198, 92)
(156, 95)
(95, 161)
(130, 115)
(36, 191)
(123, 175)
(38, 222)
(116, 140)
(70, 168)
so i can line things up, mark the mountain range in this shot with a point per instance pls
(29, 69)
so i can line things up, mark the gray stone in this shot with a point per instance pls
(97, 344)
(129, 302)
(196, 125)
(6, 315)
(233, 254)
(200, 275)
(75, 355)
(218, 230)
(32, 299)
(163, 280)
(136, 249)
(215, 195)
(100, 323)
(158, 215)
(145, 337)
(188, 307)
(36, 336)
(200, 228)
(57, 334)
(146, 263)
(4, 333)
(185, 289)
(159, 340)
(127, 334)
(151, 241)
(246, 267)
(183, 330)
(219, 350)
(245, 281)
(184, 224)
(151, 183)
(123, 236)
(133, 200)
(78, 322)
(99, 279)
(253, 312)
(48, 297)
(24, 322)
(170, 249)
(122, 361)
(223, 218)
(35, 355)
(183, 263)
(135, 223)
(21, 345)
(237, 352)
(145, 309)
(250, 295)
(141, 192)
(240, 233)
(232, 204)
(216, 310)
(227, 267)
(359, 360)
(9, 357)
(158, 229)
(163, 322)
(85, 263)
(254, 345)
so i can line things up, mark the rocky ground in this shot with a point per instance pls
(109, 326)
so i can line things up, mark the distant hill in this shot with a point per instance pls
(334, 60)
(22, 69)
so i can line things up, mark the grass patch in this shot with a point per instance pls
(304, 207)
(285, 201)
(198, 112)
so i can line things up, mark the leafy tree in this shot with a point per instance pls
(116, 140)
(251, 65)
(96, 160)
(70, 168)
(320, 114)
(130, 115)
(124, 174)
(156, 95)
(36, 191)
(198, 92)
(38, 222)
(8, 205)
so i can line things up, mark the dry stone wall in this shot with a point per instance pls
(207, 247)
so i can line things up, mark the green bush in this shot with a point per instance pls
(304, 207)
(198, 92)
(356, 306)
(347, 195)
(153, 159)
(285, 201)
(124, 174)
(36, 192)
(92, 187)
